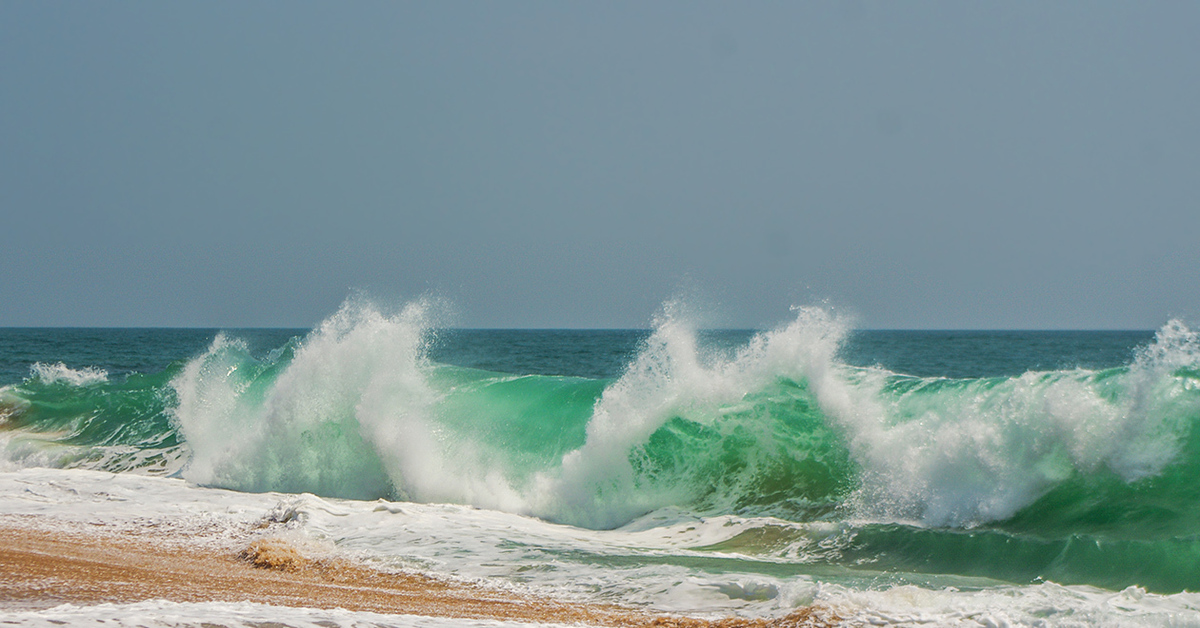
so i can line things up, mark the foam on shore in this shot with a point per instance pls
(121, 547)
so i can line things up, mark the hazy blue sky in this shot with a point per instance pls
(560, 164)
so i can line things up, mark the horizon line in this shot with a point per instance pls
(646, 329)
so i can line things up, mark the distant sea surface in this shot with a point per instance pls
(1034, 475)
(594, 353)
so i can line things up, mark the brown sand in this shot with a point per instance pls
(40, 569)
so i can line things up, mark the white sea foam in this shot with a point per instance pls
(647, 563)
(1044, 605)
(348, 414)
(945, 453)
(165, 614)
(310, 427)
(19, 448)
(61, 373)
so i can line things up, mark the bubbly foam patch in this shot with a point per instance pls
(1036, 606)
(165, 614)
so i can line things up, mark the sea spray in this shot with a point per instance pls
(615, 477)
(305, 419)
(347, 411)
(780, 426)
(55, 373)
(961, 453)
(356, 409)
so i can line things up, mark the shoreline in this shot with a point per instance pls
(41, 568)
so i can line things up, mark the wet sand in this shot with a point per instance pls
(42, 568)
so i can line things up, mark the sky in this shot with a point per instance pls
(935, 165)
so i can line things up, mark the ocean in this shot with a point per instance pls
(1022, 478)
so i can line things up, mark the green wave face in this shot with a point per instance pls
(522, 424)
(772, 454)
(113, 426)
(1075, 476)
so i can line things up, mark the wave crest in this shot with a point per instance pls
(50, 374)
(961, 453)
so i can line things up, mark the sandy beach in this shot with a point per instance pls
(41, 568)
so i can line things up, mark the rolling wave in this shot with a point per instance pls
(1076, 475)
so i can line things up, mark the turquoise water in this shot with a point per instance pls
(1019, 457)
